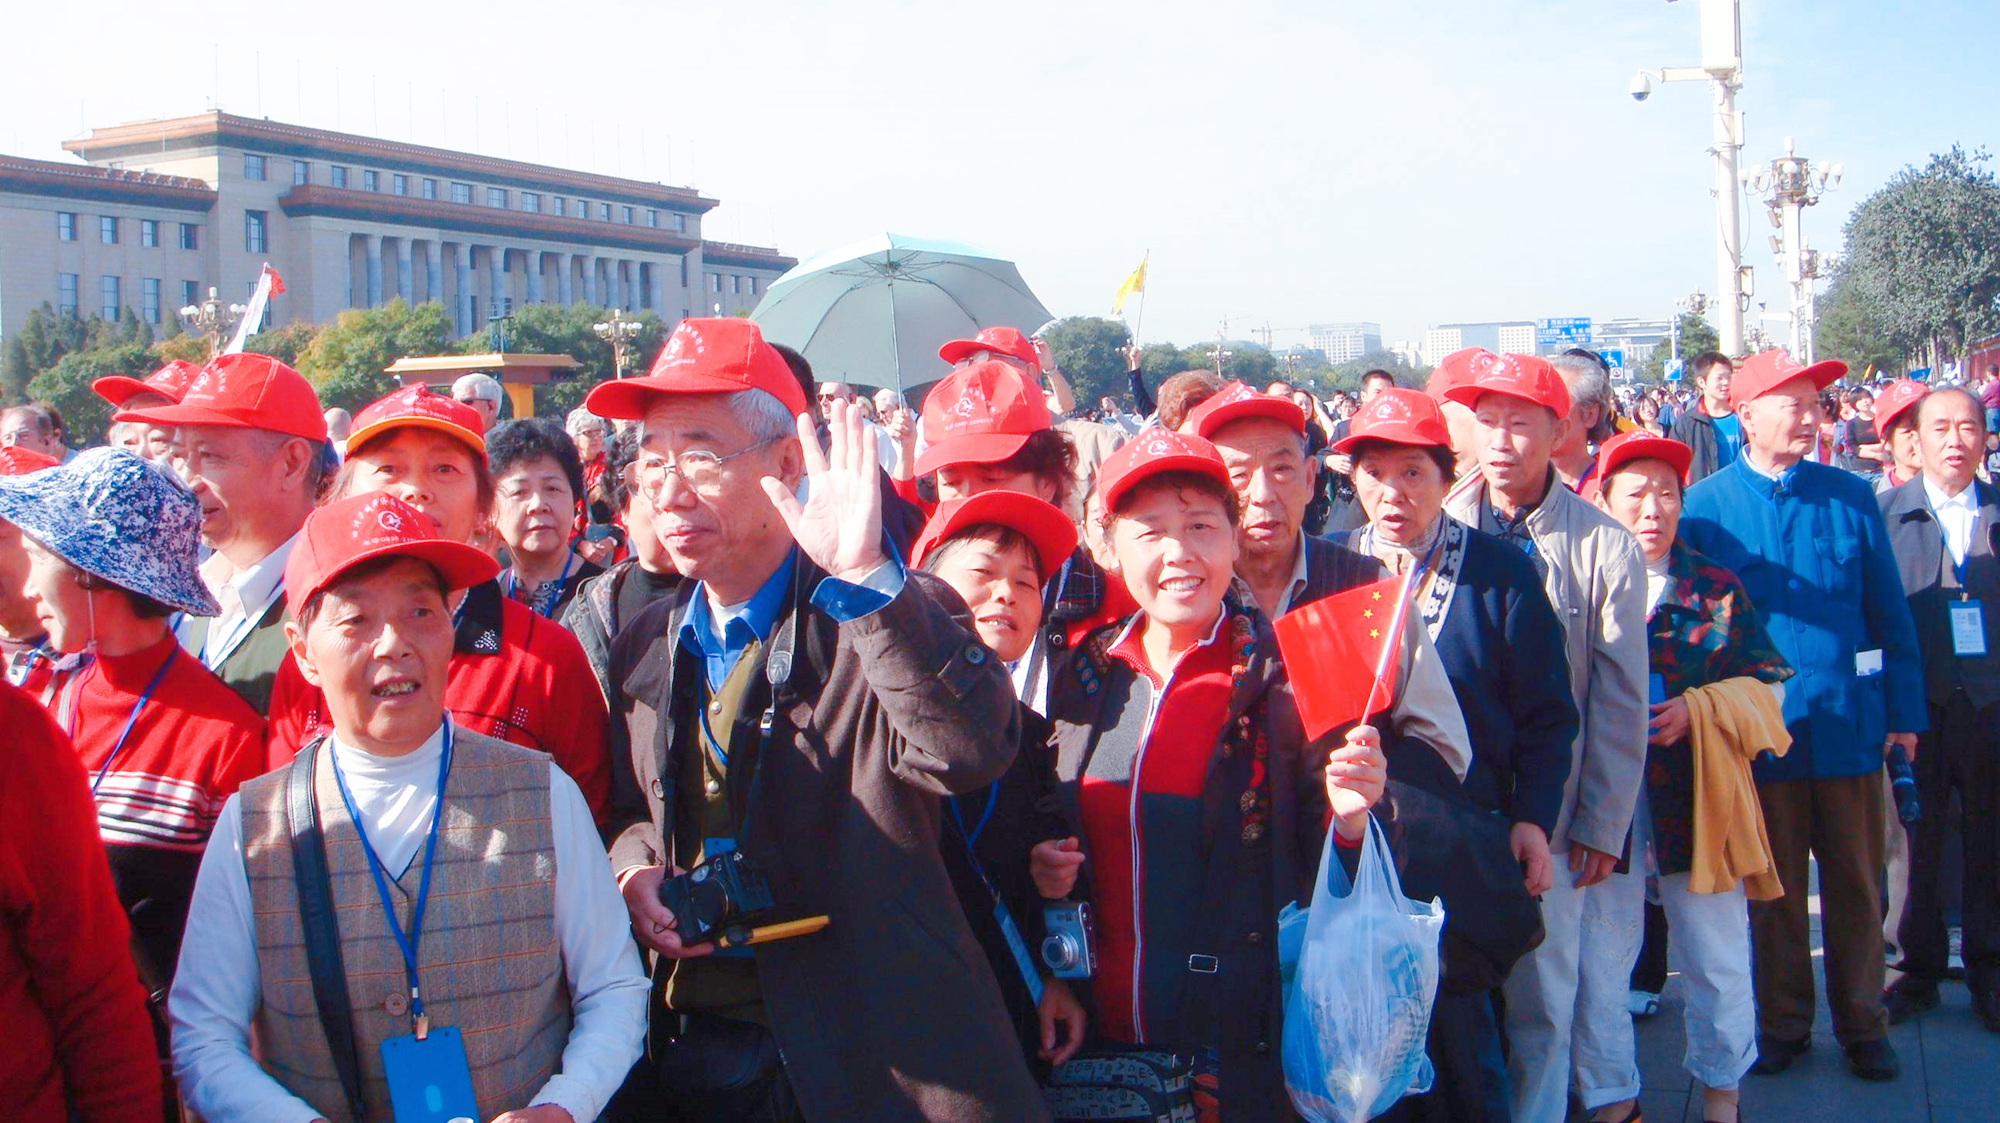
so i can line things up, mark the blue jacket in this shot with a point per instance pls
(1814, 555)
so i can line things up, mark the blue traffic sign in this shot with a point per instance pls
(1674, 369)
(1572, 331)
(1614, 357)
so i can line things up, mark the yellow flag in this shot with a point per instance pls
(1136, 282)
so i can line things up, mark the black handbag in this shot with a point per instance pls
(1451, 849)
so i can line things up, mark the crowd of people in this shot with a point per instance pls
(744, 746)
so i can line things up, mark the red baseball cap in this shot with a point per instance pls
(1767, 370)
(243, 391)
(1001, 341)
(704, 356)
(18, 461)
(1900, 396)
(1404, 417)
(1527, 377)
(1237, 402)
(415, 407)
(167, 382)
(980, 414)
(1638, 444)
(1154, 451)
(345, 533)
(1459, 367)
(1042, 523)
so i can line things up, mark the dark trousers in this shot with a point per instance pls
(706, 1069)
(1464, 1047)
(1839, 822)
(1650, 973)
(1958, 755)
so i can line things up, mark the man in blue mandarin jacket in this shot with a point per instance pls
(1809, 543)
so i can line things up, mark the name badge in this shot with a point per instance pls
(429, 1079)
(1968, 628)
(1868, 663)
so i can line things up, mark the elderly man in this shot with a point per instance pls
(1809, 543)
(1942, 527)
(339, 423)
(1569, 994)
(803, 702)
(482, 392)
(1708, 426)
(36, 427)
(249, 437)
(163, 387)
(1591, 409)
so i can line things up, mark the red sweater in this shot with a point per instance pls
(513, 675)
(74, 1013)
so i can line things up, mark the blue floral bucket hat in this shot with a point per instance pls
(118, 517)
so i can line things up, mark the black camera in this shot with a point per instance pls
(726, 892)
(1066, 949)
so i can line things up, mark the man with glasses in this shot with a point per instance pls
(803, 701)
(481, 391)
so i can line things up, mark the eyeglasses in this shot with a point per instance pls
(699, 468)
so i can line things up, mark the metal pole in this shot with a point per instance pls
(1729, 230)
(1794, 273)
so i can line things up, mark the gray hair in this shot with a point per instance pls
(1588, 385)
(580, 417)
(760, 413)
(479, 385)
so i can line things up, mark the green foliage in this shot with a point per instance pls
(1852, 329)
(346, 359)
(1347, 376)
(1090, 352)
(47, 336)
(284, 344)
(1696, 336)
(66, 385)
(558, 330)
(1921, 260)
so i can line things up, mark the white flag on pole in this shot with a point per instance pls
(269, 284)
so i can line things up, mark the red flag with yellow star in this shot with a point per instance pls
(1338, 654)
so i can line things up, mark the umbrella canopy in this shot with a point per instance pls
(877, 311)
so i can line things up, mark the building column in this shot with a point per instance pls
(662, 273)
(404, 274)
(461, 267)
(433, 283)
(347, 271)
(534, 276)
(565, 292)
(496, 291)
(590, 280)
(374, 242)
(631, 285)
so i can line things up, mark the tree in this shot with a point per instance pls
(347, 359)
(1090, 352)
(1921, 255)
(285, 344)
(1853, 329)
(1696, 336)
(1347, 376)
(66, 385)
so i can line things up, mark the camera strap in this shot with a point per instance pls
(1010, 931)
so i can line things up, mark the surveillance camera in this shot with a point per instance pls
(1641, 87)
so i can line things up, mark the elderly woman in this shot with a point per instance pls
(1502, 648)
(538, 489)
(591, 434)
(1712, 711)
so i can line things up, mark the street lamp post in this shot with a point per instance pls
(1792, 184)
(212, 320)
(1721, 67)
(619, 332)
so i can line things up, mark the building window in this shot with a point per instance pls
(339, 176)
(558, 205)
(255, 239)
(149, 297)
(189, 238)
(65, 226)
(625, 215)
(190, 294)
(369, 182)
(680, 224)
(604, 212)
(66, 293)
(253, 167)
(461, 193)
(496, 197)
(531, 202)
(399, 185)
(111, 301)
(684, 272)
(430, 189)
(107, 230)
(149, 233)
(750, 285)
(652, 218)
(301, 173)
(735, 285)
(715, 282)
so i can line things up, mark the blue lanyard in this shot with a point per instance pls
(514, 584)
(405, 943)
(971, 837)
(131, 719)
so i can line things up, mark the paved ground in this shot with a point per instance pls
(1951, 1071)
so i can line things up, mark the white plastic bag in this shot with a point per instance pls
(1360, 1001)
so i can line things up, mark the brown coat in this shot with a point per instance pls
(891, 1013)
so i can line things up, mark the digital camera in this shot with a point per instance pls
(724, 893)
(1067, 949)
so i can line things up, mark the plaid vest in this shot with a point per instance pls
(489, 965)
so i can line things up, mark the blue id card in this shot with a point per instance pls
(429, 1080)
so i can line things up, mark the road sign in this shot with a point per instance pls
(1614, 357)
(1674, 369)
(1571, 332)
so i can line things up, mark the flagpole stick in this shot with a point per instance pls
(1390, 650)
(1143, 263)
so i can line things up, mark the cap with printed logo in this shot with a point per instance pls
(1528, 377)
(1638, 444)
(1237, 401)
(168, 382)
(1403, 417)
(1151, 453)
(980, 414)
(360, 528)
(243, 391)
(1893, 401)
(1767, 370)
(1043, 524)
(18, 461)
(1000, 341)
(707, 355)
(416, 407)
(1461, 366)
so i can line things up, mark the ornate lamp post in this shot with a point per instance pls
(619, 332)
(1792, 184)
(212, 320)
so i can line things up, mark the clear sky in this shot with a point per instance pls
(1400, 161)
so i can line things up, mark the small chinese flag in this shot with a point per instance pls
(1333, 649)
